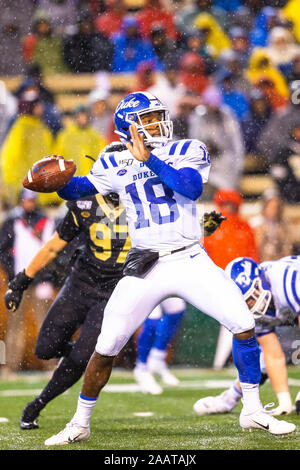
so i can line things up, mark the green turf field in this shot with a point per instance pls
(172, 424)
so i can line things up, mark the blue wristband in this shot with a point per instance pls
(155, 164)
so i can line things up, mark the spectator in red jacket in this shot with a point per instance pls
(40, 29)
(235, 237)
(22, 234)
(192, 73)
(145, 74)
(154, 12)
(109, 23)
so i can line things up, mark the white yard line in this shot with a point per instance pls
(294, 382)
(133, 388)
(19, 393)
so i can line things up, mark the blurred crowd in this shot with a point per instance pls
(229, 72)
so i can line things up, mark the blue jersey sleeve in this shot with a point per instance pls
(185, 181)
(79, 186)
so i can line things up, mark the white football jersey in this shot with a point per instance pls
(158, 217)
(283, 276)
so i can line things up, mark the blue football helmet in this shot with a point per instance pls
(132, 107)
(248, 276)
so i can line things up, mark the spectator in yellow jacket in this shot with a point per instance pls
(291, 12)
(216, 39)
(27, 141)
(261, 67)
(79, 139)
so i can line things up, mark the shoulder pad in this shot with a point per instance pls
(114, 147)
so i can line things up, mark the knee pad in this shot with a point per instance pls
(110, 346)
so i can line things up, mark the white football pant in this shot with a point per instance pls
(190, 275)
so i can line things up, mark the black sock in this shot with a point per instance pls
(63, 378)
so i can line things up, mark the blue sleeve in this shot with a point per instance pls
(79, 186)
(186, 181)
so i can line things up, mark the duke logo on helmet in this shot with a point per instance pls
(248, 271)
(133, 103)
(249, 278)
(132, 108)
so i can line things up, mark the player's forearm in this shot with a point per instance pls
(47, 254)
(79, 186)
(186, 181)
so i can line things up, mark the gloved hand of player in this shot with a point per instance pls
(211, 221)
(16, 287)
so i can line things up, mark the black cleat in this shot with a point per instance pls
(29, 417)
(29, 425)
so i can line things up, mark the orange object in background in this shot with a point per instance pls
(234, 237)
(29, 361)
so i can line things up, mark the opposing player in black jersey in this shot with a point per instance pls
(101, 224)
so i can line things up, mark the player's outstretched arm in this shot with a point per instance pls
(22, 280)
(185, 181)
(78, 187)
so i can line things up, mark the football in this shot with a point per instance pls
(49, 174)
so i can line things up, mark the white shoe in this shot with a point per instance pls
(147, 382)
(160, 368)
(214, 405)
(281, 410)
(72, 433)
(262, 419)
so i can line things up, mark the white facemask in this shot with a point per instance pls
(261, 297)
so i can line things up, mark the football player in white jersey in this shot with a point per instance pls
(272, 292)
(158, 181)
